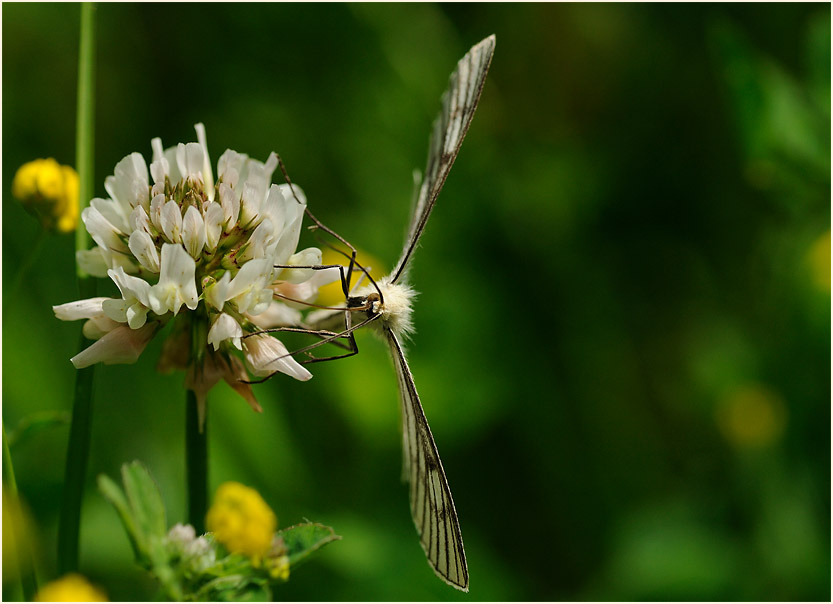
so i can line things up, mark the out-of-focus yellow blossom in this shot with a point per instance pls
(819, 260)
(331, 294)
(17, 538)
(278, 567)
(12, 520)
(48, 191)
(752, 416)
(277, 561)
(70, 588)
(242, 521)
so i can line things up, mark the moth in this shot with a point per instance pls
(388, 303)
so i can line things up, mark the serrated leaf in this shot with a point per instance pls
(142, 512)
(113, 493)
(302, 540)
(145, 501)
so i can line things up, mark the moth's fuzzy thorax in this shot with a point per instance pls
(395, 311)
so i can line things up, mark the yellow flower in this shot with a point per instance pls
(278, 567)
(277, 561)
(70, 588)
(241, 521)
(17, 537)
(12, 518)
(48, 191)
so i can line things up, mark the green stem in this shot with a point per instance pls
(85, 120)
(69, 523)
(78, 451)
(26, 566)
(8, 468)
(196, 463)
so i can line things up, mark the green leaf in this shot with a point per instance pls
(112, 493)
(142, 512)
(145, 500)
(233, 564)
(35, 423)
(234, 588)
(302, 540)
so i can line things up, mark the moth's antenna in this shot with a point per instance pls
(320, 225)
(315, 267)
(328, 336)
(310, 304)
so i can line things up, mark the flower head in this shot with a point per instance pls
(242, 521)
(196, 552)
(70, 588)
(210, 256)
(48, 191)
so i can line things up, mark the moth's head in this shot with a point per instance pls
(393, 307)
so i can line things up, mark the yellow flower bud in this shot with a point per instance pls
(278, 567)
(48, 191)
(25, 183)
(68, 218)
(70, 588)
(242, 521)
(50, 180)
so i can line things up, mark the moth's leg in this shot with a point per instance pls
(327, 337)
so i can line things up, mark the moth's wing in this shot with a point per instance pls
(431, 505)
(459, 102)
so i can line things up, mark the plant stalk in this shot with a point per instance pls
(69, 523)
(85, 122)
(196, 463)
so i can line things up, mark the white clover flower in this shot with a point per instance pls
(197, 552)
(200, 554)
(180, 536)
(188, 249)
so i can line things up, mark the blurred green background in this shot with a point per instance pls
(623, 335)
